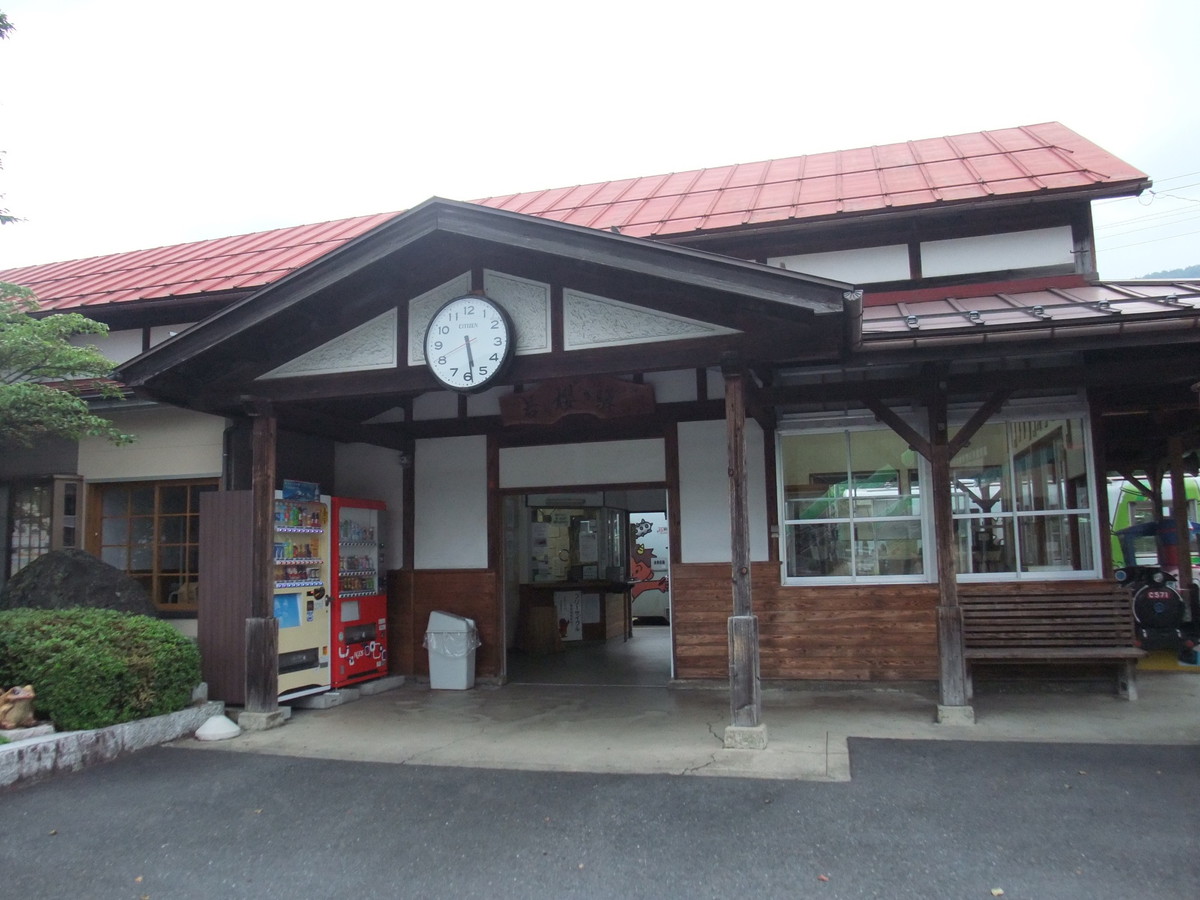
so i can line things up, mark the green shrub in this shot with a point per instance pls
(97, 667)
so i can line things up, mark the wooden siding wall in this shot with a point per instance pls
(412, 596)
(850, 633)
(226, 577)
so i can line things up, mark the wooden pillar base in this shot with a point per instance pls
(953, 689)
(262, 664)
(745, 694)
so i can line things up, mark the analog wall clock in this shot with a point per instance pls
(468, 343)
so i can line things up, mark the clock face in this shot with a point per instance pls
(468, 343)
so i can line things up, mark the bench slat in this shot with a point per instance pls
(1000, 654)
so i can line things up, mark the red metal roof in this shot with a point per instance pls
(1029, 159)
(1017, 161)
(225, 264)
(1048, 313)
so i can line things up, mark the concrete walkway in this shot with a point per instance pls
(661, 730)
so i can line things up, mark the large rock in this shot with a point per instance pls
(62, 579)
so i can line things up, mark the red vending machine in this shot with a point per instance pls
(359, 598)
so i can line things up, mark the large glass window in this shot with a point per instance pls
(151, 531)
(851, 506)
(1021, 497)
(1022, 502)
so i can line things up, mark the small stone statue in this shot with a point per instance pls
(16, 707)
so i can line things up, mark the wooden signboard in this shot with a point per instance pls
(600, 396)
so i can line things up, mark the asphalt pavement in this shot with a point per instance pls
(941, 819)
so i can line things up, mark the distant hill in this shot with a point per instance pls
(1189, 272)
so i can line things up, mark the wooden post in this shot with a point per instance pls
(952, 681)
(1179, 512)
(262, 628)
(745, 696)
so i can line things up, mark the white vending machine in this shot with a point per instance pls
(303, 604)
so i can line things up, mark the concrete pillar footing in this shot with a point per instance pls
(259, 721)
(746, 737)
(955, 715)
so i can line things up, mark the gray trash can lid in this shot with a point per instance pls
(442, 622)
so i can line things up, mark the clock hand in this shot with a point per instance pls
(470, 358)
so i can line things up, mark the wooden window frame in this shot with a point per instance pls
(172, 591)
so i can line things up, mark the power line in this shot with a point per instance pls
(1153, 241)
(1166, 214)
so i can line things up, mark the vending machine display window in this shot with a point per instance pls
(302, 602)
(359, 598)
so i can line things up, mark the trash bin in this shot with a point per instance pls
(451, 641)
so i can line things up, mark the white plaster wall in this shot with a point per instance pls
(189, 628)
(486, 403)
(673, 387)
(704, 492)
(116, 346)
(171, 443)
(364, 471)
(992, 252)
(601, 462)
(861, 266)
(435, 405)
(451, 503)
(716, 384)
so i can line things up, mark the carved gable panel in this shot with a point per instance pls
(527, 303)
(371, 345)
(592, 321)
(421, 309)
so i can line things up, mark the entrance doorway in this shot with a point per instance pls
(573, 563)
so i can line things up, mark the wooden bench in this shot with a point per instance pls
(1060, 622)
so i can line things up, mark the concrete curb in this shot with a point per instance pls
(40, 756)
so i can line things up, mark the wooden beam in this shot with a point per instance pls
(1179, 512)
(745, 697)
(989, 408)
(952, 680)
(885, 414)
(1102, 373)
(262, 628)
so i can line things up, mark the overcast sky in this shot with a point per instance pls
(129, 124)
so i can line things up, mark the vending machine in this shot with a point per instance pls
(302, 602)
(359, 597)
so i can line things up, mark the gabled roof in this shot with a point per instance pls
(1036, 160)
(768, 310)
(987, 165)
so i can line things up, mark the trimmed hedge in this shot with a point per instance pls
(97, 667)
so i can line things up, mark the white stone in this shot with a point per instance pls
(218, 728)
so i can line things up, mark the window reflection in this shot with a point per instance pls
(851, 505)
(1009, 484)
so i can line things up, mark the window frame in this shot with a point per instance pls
(1014, 411)
(1025, 412)
(61, 499)
(152, 580)
(846, 427)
